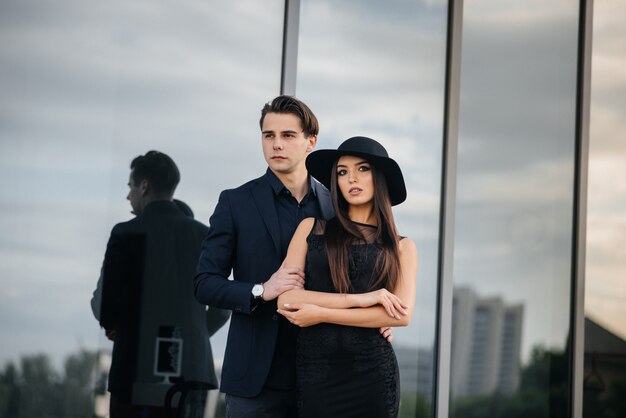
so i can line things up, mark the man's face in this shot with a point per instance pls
(135, 195)
(285, 147)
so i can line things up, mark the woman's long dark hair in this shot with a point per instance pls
(341, 233)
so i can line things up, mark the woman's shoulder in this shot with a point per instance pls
(406, 245)
(307, 223)
(315, 226)
(311, 226)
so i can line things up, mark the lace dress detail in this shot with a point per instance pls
(344, 371)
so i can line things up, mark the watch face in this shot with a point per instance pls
(257, 290)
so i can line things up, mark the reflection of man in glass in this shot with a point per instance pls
(147, 293)
(249, 234)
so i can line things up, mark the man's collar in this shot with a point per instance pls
(277, 186)
(158, 205)
(313, 185)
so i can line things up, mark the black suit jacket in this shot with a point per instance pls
(244, 238)
(147, 283)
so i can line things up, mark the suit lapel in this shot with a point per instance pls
(323, 198)
(264, 200)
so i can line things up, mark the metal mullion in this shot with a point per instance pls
(289, 67)
(447, 210)
(579, 241)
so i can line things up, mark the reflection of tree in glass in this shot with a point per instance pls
(543, 392)
(608, 403)
(36, 390)
(414, 405)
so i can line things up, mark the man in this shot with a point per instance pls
(249, 233)
(147, 305)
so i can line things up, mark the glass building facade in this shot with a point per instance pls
(514, 209)
(507, 119)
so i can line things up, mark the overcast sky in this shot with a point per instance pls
(606, 220)
(86, 87)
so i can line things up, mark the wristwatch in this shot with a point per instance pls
(257, 291)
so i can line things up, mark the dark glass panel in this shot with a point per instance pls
(84, 88)
(377, 69)
(512, 255)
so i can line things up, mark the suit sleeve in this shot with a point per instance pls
(215, 319)
(96, 299)
(217, 258)
(123, 261)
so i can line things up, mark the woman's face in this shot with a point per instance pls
(355, 180)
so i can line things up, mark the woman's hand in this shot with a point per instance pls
(392, 304)
(302, 314)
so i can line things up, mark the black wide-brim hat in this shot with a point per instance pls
(320, 164)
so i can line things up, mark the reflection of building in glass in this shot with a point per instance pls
(486, 343)
(605, 359)
(101, 394)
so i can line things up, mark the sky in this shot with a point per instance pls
(85, 88)
(515, 165)
(606, 209)
(84, 91)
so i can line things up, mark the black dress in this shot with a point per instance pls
(344, 371)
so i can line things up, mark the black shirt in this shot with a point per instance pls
(290, 213)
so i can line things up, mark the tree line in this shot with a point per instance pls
(34, 389)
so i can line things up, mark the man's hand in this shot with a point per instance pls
(283, 280)
(302, 314)
(387, 333)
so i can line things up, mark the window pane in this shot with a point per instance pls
(377, 69)
(605, 293)
(87, 86)
(512, 255)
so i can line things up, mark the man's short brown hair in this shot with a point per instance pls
(289, 104)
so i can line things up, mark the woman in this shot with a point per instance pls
(360, 276)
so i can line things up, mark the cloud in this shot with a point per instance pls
(85, 88)
(605, 291)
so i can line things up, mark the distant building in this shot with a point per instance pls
(486, 344)
(101, 394)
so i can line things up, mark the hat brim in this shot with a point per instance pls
(320, 164)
